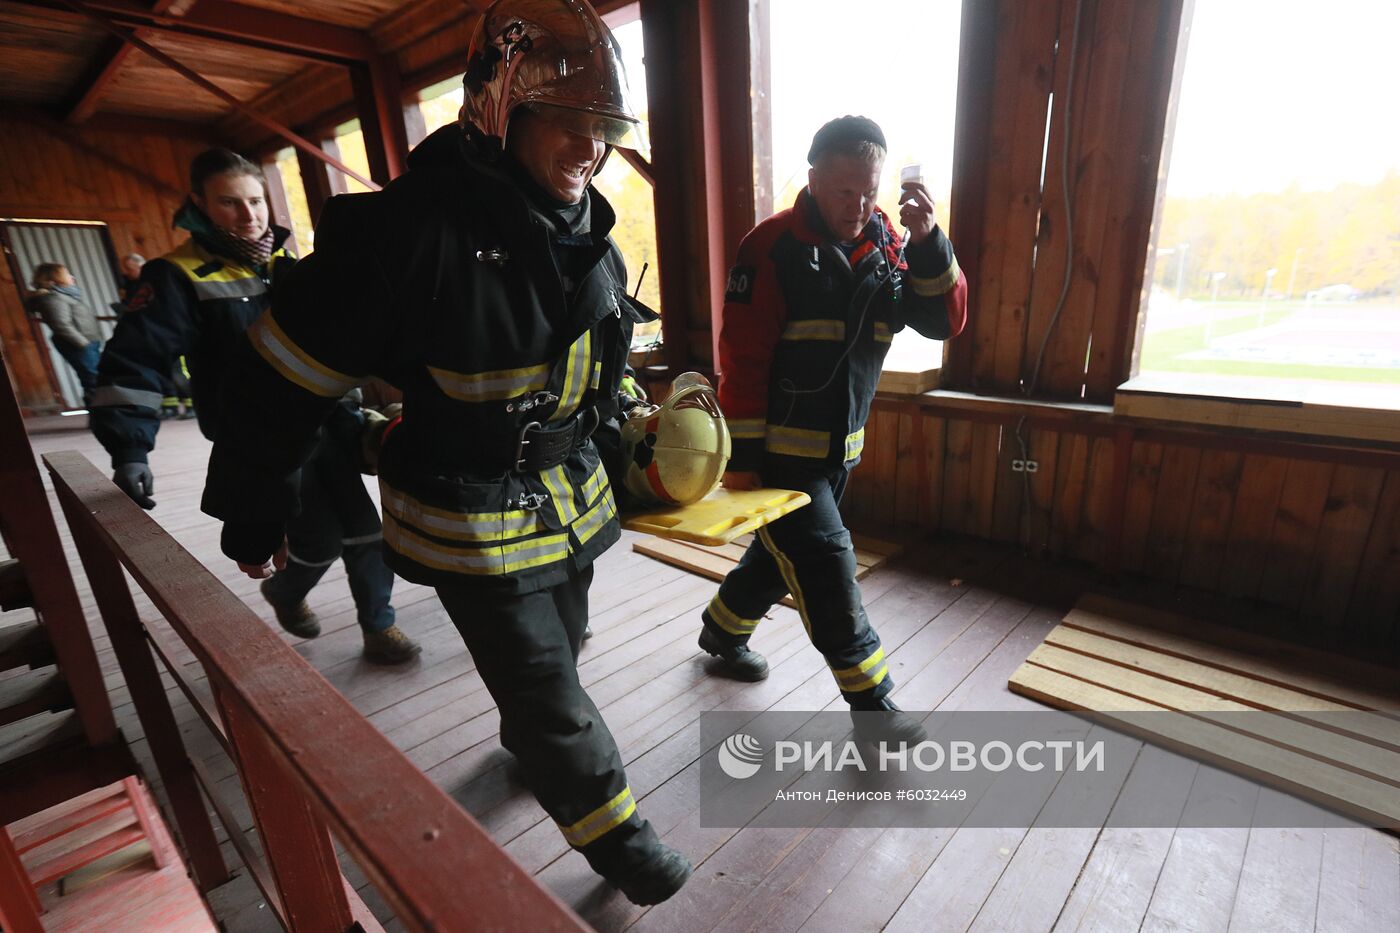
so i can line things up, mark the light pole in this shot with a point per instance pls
(1293, 275)
(1215, 278)
(1181, 250)
(1268, 280)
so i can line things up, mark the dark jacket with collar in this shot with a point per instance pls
(191, 302)
(806, 327)
(446, 285)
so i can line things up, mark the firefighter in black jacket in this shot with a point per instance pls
(483, 284)
(197, 301)
(812, 305)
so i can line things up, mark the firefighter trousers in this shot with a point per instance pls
(808, 554)
(526, 649)
(338, 521)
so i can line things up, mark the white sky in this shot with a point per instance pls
(1277, 91)
(1274, 91)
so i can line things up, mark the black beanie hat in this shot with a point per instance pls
(842, 130)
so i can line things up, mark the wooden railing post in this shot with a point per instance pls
(295, 837)
(19, 905)
(147, 695)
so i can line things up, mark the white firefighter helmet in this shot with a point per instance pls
(676, 453)
(556, 57)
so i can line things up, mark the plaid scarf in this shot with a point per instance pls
(255, 253)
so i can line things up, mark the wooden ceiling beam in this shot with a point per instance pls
(254, 27)
(203, 82)
(107, 64)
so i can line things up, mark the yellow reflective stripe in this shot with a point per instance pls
(576, 374)
(462, 526)
(294, 363)
(855, 443)
(815, 330)
(482, 561)
(789, 575)
(595, 518)
(593, 486)
(556, 480)
(495, 385)
(597, 374)
(747, 428)
(929, 288)
(728, 620)
(609, 816)
(797, 442)
(863, 676)
(882, 332)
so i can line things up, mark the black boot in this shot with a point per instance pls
(878, 720)
(739, 662)
(656, 879)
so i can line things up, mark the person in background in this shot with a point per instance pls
(195, 302)
(176, 391)
(58, 300)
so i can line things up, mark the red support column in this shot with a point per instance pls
(698, 75)
(316, 182)
(379, 103)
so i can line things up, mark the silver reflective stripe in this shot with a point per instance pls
(610, 815)
(295, 364)
(576, 377)
(496, 385)
(362, 539)
(108, 396)
(855, 443)
(464, 526)
(292, 558)
(593, 486)
(937, 285)
(491, 559)
(815, 330)
(238, 288)
(747, 428)
(585, 528)
(797, 442)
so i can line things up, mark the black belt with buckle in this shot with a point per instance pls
(543, 446)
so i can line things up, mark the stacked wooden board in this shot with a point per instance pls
(716, 562)
(1109, 656)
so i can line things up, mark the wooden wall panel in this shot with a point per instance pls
(1207, 534)
(1296, 524)
(132, 182)
(1347, 519)
(1304, 529)
(1252, 524)
(1374, 606)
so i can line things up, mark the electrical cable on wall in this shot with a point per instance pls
(1028, 388)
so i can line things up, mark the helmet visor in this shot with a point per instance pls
(614, 131)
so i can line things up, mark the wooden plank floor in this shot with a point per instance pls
(956, 619)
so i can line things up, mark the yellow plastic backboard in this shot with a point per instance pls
(720, 517)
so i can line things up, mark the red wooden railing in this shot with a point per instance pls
(311, 765)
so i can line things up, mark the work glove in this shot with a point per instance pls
(376, 425)
(137, 481)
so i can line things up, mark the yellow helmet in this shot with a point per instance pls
(556, 57)
(676, 453)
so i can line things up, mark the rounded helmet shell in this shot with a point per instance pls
(676, 453)
(557, 57)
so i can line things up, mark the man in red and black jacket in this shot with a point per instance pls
(812, 304)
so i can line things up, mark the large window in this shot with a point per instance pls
(1277, 269)
(895, 61)
(290, 169)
